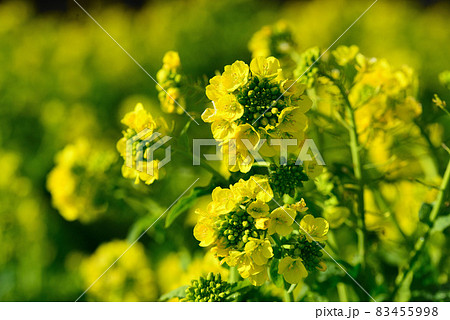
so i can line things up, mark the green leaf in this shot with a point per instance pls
(276, 278)
(441, 223)
(185, 203)
(177, 293)
(241, 286)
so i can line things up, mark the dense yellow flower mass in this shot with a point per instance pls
(129, 279)
(255, 102)
(141, 133)
(240, 227)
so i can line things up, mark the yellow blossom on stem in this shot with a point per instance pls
(315, 229)
(281, 220)
(292, 270)
(251, 103)
(258, 209)
(259, 250)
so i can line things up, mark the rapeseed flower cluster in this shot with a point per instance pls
(76, 182)
(170, 83)
(273, 40)
(241, 228)
(143, 131)
(252, 103)
(129, 279)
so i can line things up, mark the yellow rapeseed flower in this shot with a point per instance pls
(259, 250)
(315, 229)
(229, 226)
(252, 103)
(138, 120)
(281, 220)
(258, 209)
(292, 270)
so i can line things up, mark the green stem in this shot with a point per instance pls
(289, 296)
(419, 247)
(342, 292)
(357, 168)
(233, 275)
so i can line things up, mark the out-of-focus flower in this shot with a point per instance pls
(170, 82)
(177, 269)
(336, 216)
(274, 40)
(129, 279)
(307, 69)
(444, 78)
(383, 96)
(345, 55)
(77, 179)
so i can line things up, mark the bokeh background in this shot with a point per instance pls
(62, 80)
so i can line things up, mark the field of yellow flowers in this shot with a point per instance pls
(236, 150)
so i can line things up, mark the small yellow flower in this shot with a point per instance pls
(239, 157)
(259, 250)
(315, 229)
(235, 76)
(224, 200)
(203, 230)
(171, 60)
(259, 188)
(258, 278)
(336, 215)
(262, 223)
(257, 274)
(265, 67)
(299, 206)
(344, 54)
(258, 209)
(281, 220)
(292, 270)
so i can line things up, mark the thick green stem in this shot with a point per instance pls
(289, 296)
(233, 276)
(419, 247)
(354, 147)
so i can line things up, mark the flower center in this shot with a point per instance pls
(309, 252)
(209, 289)
(257, 96)
(285, 178)
(236, 227)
